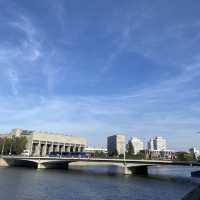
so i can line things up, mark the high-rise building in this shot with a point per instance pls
(158, 143)
(136, 144)
(116, 144)
(150, 145)
(194, 152)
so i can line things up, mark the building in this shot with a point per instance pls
(157, 149)
(194, 152)
(158, 144)
(93, 150)
(160, 155)
(116, 144)
(137, 145)
(150, 145)
(42, 143)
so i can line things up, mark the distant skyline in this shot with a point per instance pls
(96, 68)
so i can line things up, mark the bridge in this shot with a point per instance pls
(129, 166)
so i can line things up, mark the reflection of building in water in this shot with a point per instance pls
(42, 143)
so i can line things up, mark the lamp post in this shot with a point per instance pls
(2, 150)
(125, 154)
(10, 152)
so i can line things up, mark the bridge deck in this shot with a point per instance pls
(106, 160)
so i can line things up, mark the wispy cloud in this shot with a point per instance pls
(49, 63)
(14, 81)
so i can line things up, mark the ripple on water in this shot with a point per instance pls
(87, 184)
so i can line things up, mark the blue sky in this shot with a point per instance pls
(95, 68)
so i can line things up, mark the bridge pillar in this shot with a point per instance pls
(127, 171)
(40, 166)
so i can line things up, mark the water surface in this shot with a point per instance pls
(99, 183)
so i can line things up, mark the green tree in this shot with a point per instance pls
(130, 149)
(184, 156)
(19, 145)
(99, 154)
(14, 145)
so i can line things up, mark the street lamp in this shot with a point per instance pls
(124, 153)
(10, 152)
(2, 150)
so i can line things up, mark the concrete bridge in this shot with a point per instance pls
(129, 166)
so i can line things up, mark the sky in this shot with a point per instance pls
(96, 68)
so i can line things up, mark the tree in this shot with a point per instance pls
(184, 156)
(130, 149)
(14, 145)
(99, 154)
(19, 145)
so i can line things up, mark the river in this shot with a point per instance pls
(95, 183)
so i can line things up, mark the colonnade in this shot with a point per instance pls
(43, 148)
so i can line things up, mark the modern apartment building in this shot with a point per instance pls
(158, 144)
(136, 144)
(116, 144)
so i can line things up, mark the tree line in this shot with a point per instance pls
(12, 145)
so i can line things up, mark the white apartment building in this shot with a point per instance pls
(137, 145)
(194, 152)
(158, 144)
(150, 145)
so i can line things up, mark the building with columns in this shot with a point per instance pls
(42, 143)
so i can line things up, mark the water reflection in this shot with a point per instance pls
(91, 182)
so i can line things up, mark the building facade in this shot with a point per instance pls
(157, 144)
(116, 144)
(195, 153)
(160, 155)
(96, 149)
(137, 145)
(150, 145)
(42, 143)
(160, 144)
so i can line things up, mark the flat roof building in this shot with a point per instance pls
(158, 144)
(116, 144)
(136, 144)
(42, 143)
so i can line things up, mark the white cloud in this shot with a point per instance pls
(14, 81)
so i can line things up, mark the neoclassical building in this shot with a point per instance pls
(42, 143)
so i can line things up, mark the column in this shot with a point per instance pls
(44, 149)
(51, 147)
(67, 148)
(37, 152)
